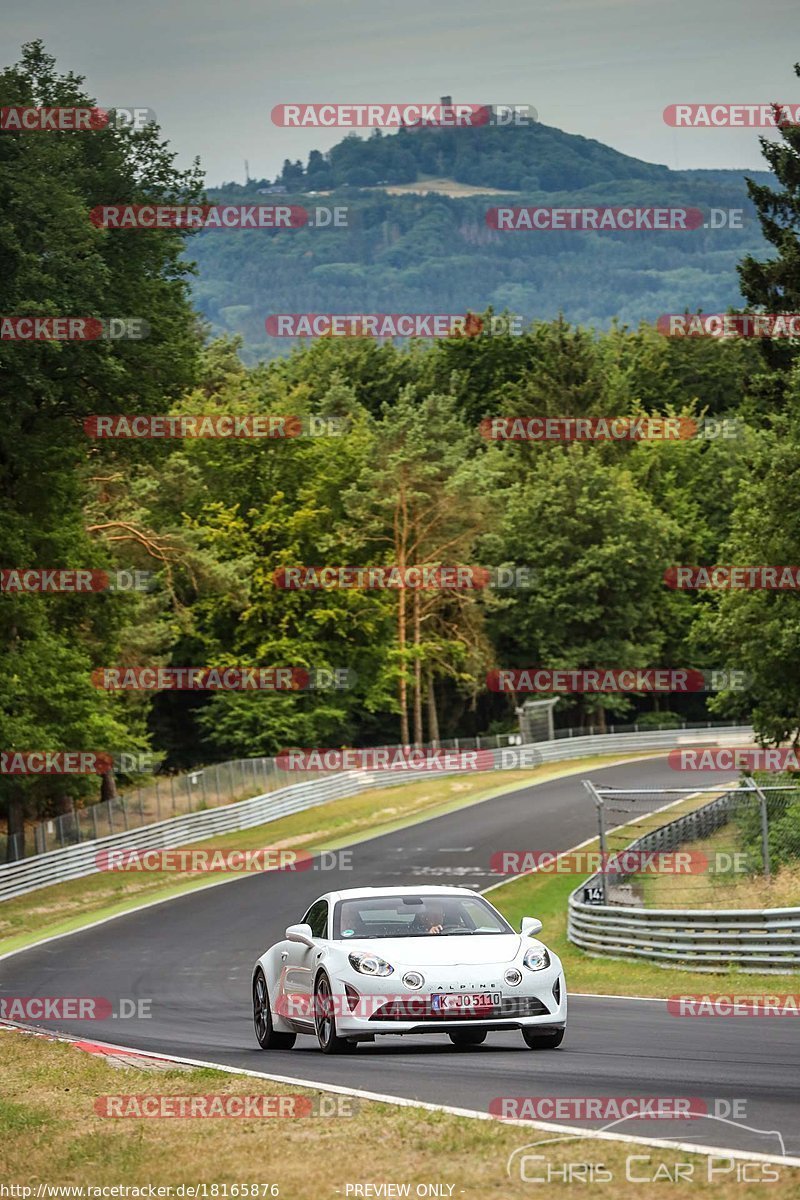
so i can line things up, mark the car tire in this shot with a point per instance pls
(325, 1020)
(535, 1040)
(467, 1037)
(267, 1036)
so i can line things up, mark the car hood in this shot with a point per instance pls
(455, 950)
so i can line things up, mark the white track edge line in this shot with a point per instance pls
(572, 1131)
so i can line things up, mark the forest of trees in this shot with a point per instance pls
(435, 253)
(410, 479)
(520, 158)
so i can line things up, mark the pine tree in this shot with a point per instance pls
(775, 283)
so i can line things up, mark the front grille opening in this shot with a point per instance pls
(418, 1008)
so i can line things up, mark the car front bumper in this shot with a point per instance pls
(367, 1010)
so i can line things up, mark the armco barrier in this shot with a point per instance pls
(766, 941)
(75, 862)
(176, 794)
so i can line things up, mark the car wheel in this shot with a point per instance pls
(268, 1038)
(467, 1037)
(535, 1040)
(325, 1020)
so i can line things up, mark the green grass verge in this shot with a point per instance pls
(52, 1133)
(545, 895)
(725, 887)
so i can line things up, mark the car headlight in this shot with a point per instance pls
(536, 959)
(370, 964)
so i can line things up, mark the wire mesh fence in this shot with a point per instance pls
(723, 846)
(166, 796)
(174, 795)
(171, 795)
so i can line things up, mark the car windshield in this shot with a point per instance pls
(415, 916)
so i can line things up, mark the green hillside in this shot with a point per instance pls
(435, 253)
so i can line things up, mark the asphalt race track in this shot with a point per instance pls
(193, 957)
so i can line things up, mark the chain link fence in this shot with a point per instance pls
(86, 858)
(715, 887)
(738, 838)
(205, 787)
(166, 796)
(175, 795)
(237, 779)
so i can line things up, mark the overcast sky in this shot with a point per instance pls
(213, 69)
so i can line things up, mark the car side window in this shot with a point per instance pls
(317, 918)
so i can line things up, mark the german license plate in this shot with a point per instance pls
(465, 1004)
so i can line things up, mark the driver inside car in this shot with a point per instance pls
(431, 920)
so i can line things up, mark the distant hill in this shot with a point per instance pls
(435, 252)
(528, 158)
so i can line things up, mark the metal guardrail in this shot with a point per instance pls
(78, 861)
(221, 783)
(145, 804)
(766, 941)
(176, 795)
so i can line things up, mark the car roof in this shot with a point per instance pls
(375, 892)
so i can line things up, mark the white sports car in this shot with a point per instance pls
(404, 960)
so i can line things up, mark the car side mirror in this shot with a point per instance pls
(530, 926)
(301, 934)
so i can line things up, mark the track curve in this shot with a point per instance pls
(193, 956)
